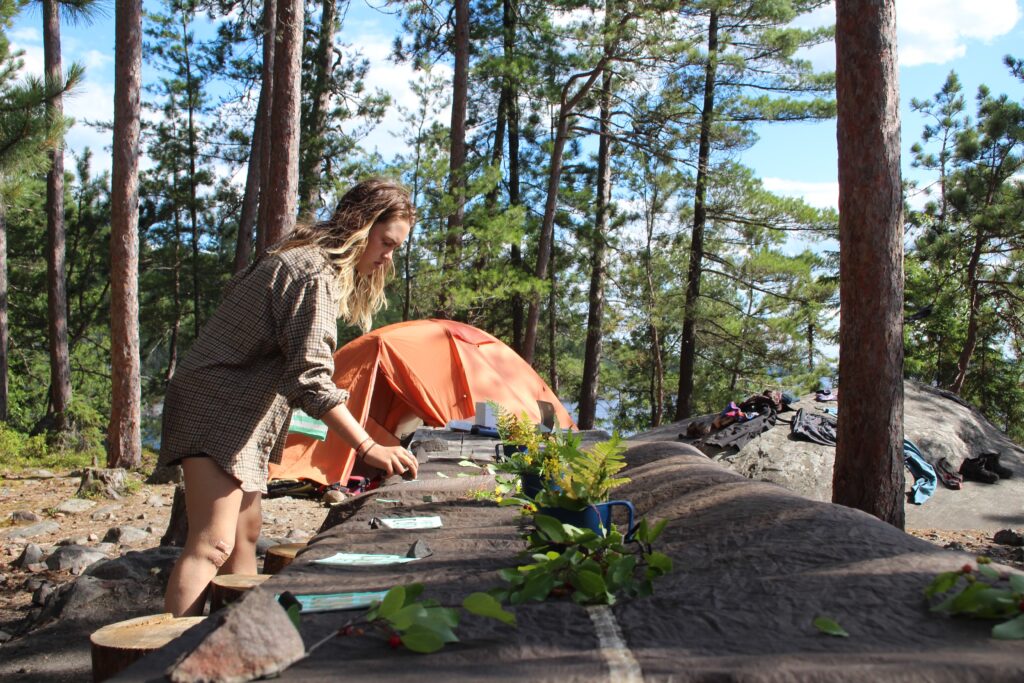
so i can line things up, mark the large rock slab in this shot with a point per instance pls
(939, 423)
(754, 565)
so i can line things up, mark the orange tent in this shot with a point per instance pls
(434, 370)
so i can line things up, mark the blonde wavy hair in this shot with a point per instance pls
(344, 237)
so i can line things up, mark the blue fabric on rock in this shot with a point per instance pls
(924, 474)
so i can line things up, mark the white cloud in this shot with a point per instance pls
(394, 79)
(94, 59)
(929, 31)
(25, 35)
(33, 64)
(937, 31)
(822, 194)
(93, 101)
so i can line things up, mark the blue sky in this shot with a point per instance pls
(935, 36)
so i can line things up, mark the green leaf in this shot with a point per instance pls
(537, 587)
(405, 617)
(392, 602)
(590, 583)
(484, 605)
(1017, 582)
(419, 638)
(988, 571)
(551, 528)
(1010, 630)
(468, 463)
(413, 591)
(942, 583)
(830, 627)
(659, 562)
(444, 615)
(970, 599)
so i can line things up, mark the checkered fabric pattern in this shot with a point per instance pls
(269, 346)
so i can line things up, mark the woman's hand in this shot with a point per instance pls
(392, 459)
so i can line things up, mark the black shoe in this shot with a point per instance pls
(973, 469)
(990, 461)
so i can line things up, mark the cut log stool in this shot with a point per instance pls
(117, 646)
(226, 588)
(280, 556)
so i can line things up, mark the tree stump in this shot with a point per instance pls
(226, 588)
(280, 556)
(116, 646)
(177, 525)
(102, 482)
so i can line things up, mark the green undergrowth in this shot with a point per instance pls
(20, 452)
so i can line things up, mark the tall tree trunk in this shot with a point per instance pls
(313, 132)
(56, 285)
(457, 159)
(567, 104)
(258, 171)
(595, 314)
(657, 379)
(553, 327)
(172, 355)
(658, 375)
(971, 342)
(687, 343)
(4, 330)
(251, 197)
(124, 436)
(193, 195)
(278, 204)
(868, 472)
(508, 22)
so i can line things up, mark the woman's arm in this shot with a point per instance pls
(391, 459)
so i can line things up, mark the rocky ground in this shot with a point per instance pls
(54, 589)
(48, 537)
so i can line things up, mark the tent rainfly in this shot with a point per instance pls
(432, 371)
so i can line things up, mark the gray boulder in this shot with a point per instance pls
(32, 554)
(126, 535)
(73, 558)
(33, 530)
(24, 516)
(73, 506)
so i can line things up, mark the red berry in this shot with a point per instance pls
(1021, 606)
(395, 641)
(347, 631)
(967, 569)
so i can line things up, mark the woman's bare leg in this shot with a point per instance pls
(213, 499)
(247, 533)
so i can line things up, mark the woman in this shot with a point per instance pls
(270, 347)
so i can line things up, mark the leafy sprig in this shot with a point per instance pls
(589, 568)
(982, 593)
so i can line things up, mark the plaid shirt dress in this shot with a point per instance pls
(268, 347)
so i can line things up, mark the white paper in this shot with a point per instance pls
(363, 559)
(428, 522)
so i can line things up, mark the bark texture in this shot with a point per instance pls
(56, 284)
(282, 190)
(4, 329)
(124, 435)
(595, 311)
(688, 340)
(263, 115)
(868, 472)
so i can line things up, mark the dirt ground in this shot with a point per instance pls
(148, 508)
